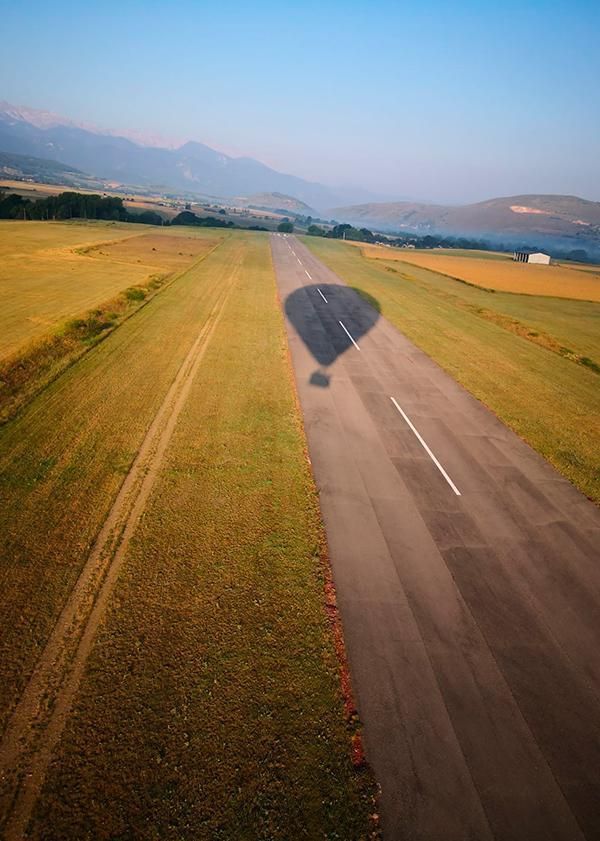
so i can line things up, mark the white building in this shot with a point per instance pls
(536, 257)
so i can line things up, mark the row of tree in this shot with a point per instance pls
(346, 231)
(73, 206)
(90, 206)
(186, 217)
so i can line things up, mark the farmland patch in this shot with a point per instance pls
(560, 281)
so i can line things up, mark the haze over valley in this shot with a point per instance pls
(79, 153)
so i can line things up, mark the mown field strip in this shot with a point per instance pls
(210, 705)
(64, 460)
(58, 673)
(547, 399)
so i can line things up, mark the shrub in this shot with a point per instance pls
(134, 293)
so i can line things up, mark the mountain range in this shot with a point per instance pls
(550, 221)
(192, 168)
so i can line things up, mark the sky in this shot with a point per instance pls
(436, 101)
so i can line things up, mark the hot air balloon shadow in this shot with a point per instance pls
(316, 311)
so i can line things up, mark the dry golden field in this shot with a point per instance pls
(51, 271)
(156, 251)
(583, 267)
(35, 190)
(559, 281)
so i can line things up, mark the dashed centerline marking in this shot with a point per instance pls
(393, 399)
(348, 334)
(424, 445)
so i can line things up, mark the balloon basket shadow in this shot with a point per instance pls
(319, 378)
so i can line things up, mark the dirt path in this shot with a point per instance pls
(39, 718)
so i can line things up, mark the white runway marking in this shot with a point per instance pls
(425, 447)
(348, 334)
(322, 296)
(299, 260)
(307, 274)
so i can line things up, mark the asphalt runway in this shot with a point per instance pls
(468, 579)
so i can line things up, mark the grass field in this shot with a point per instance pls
(471, 253)
(210, 705)
(583, 267)
(568, 327)
(532, 360)
(494, 272)
(52, 271)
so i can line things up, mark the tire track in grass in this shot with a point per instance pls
(40, 716)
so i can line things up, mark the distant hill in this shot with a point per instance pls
(193, 167)
(43, 169)
(566, 220)
(276, 201)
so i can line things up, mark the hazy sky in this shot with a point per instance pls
(447, 101)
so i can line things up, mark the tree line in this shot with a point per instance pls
(71, 205)
(346, 231)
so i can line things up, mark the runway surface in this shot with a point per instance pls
(468, 580)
